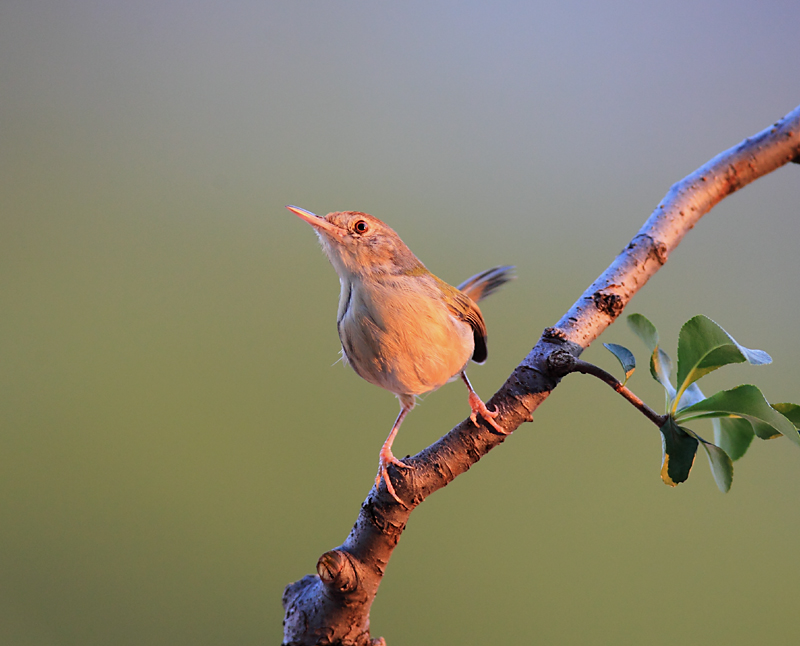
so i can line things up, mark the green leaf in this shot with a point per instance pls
(747, 402)
(703, 346)
(721, 465)
(625, 358)
(790, 412)
(733, 435)
(660, 364)
(661, 370)
(644, 329)
(678, 452)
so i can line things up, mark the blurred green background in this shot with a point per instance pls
(176, 443)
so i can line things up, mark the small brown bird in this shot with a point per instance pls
(401, 327)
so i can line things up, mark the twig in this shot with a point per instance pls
(587, 368)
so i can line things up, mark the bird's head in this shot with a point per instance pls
(358, 244)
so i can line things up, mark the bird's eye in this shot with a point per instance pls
(361, 226)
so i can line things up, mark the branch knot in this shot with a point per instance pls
(337, 571)
(561, 362)
(608, 302)
(554, 334)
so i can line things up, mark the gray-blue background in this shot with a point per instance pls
(176, 444)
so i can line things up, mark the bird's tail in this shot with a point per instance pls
(481, 285)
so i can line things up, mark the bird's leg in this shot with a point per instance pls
(477, 406)
(387, 458)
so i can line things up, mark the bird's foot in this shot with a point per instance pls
(386, 459)
(478, 407)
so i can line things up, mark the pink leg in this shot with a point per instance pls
(387, 458)
(477, 406)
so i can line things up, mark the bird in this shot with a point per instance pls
(401, 327)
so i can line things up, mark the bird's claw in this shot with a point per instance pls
(477, 406)
(383, 474)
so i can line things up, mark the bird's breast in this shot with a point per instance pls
(399, 334)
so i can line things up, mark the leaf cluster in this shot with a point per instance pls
(738, 415)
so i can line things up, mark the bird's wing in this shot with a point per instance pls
(465, 309)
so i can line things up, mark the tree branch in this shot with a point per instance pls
(333, 606)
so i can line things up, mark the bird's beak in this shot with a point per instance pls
(316, 221)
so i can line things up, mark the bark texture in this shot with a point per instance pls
(332, 607)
